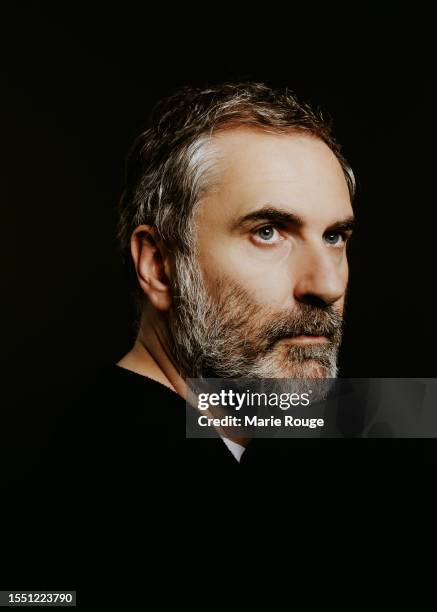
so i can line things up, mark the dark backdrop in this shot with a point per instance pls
(78, 84)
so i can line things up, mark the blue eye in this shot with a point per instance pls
(266, 233)
(334, 238)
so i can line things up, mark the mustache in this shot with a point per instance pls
(307, 320)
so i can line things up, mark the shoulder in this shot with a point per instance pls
(108, 412)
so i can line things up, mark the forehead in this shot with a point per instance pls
(294, 170)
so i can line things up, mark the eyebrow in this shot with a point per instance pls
(345, 225)
(269, 213)
(279, 215)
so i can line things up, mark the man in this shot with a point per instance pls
(235, 219)
(234, 222)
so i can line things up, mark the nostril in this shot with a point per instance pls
(313, 300)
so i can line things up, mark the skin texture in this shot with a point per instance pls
(279, 267)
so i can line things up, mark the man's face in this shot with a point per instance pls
(272, 266)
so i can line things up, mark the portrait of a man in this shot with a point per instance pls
(235, 220)
(233, 227)
(219, 296)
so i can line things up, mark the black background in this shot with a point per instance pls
(78, 84)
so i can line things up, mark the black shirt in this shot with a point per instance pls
(100, 478)
(101, 473)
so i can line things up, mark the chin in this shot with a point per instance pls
(310, 368)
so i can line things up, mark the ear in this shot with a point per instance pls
(152, 266)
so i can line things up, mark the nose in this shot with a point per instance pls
(321, 277)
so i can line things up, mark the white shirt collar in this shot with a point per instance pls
(236, 449)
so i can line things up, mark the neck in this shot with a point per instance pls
(150, 355)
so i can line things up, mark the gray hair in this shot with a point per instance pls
(171, 164)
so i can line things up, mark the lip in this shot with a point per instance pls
(303, 339)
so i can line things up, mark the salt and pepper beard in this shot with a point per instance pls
(227, 334)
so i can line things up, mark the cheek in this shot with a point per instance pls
(265, 272)
(345, 270)
(343, 274)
